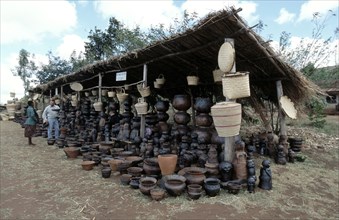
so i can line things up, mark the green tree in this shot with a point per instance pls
(25, 69)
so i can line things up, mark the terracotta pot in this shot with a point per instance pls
(182, 118)
(194, 196)
(157, 194)
(212, 186)
(167, 163)
(204, 120)
(87, 165)
(181, 102)
(203, 105)
(147, 184)
(233, 187)
(162, 106)
(194, 188)
(123, 166)
(195, 176)
(114, 164)
(72, 152)
(175, 184)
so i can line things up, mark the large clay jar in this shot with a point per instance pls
(162, 106)
(87, 165)
(182, 118)
(175, 184)
(151, 166)
(195, 175)
(147, 184)
(167, 163)
(203, 105)
(181, 102)
(114, 164)
(212, 186)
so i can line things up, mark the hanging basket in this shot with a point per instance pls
(157, 85)
(226, 118)
(94, 92)
(122, 96)
(226, 57)
(111, 94)
(141, 107)
(74, 97)
(144, 91)
(217, 75)
(236, 85)
(74, 103)
(86, 94)
(192, 80)
(97, 106)
(161, 79)
(104, 92)
(12, 94)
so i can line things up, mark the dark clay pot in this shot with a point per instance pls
(204, 135)
(146, 184)
(203, 105)
(162, 106)
(151, 166)
(106, 172)
(181, 102)
(182, 118)
(175, 184)
(212, 186)
(163, 116)
(195, 176)
(203, 120)
(134, 183)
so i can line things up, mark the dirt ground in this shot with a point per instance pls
(39, 182)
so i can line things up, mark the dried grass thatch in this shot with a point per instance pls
(196, 51)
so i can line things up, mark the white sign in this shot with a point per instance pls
(121, 76)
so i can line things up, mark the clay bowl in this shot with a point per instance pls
(157, 194)
(87, 165)
(125, 179)
(72, 152)
(134, 160)
(233, 187)
(194, 188)
(135, 171)
(50, 141)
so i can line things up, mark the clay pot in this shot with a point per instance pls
(162, 106)
(125, 179)
(233, 187)
(181, 102)
(194, 196)
(114, 164)
(87, 165)
(167, 163)
(204, 135)
(195, 176)
(72, 152)
(123, 166)
(147, 184)
(135, 171)
(204, 120)
(182, 118)
(50, 141)
(135, 160)
(194, 191)
(106, 172)
(175, 184)
(212, 186)
(151, 166)
(134, 183)
(203, 105)
(212, 169)
(163, 116)
(157, 194)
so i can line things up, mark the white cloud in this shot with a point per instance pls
(284, 16)
(32, 20)
(147, 13)
(69, 44)
(309, 8)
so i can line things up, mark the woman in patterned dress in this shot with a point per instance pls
(30, 123)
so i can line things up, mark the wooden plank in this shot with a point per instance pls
(281, 114)
(143, 117)
(100, 83)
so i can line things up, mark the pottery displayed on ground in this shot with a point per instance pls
(125, 179)
(194, 191)
(212, 186)
(106, 172)
(87, 165)
(72, 152)
(50, 141)
(157, 194)
(135, 171)
(151, 166)
(147, 184)
(175, 184)
(167, 163)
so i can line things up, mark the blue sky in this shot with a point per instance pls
(63, 26)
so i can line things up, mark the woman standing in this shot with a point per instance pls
(30, 123)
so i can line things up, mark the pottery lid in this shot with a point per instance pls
(288, 107)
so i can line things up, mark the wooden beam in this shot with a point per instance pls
(100, 83)
(143, 117)
(281, 114)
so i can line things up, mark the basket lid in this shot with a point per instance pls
(288, 107)
(224, 104)
(226, 57)
(76, 86)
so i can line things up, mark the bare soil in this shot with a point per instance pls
(39, 182)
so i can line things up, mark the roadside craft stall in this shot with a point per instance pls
(174, 109)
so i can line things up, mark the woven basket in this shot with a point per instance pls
(227, 118)
(76, 86)
(157, 85)
(111, 94)
(94, 92)
(226, 57)
(192, 80)
(161, 79)
(74, 97)
(86, 94)
(97, 106)
(74, 103)
(236, 85)
(144, 91)
(122, 96)
(141, 107)
(104, 92)
(217, 75)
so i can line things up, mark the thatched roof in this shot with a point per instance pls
(196, 51)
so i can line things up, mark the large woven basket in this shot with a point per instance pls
(157, 85)
(161, 79)
(227, 118)
(141, 107)
(226, 57)
(192, 80)
(236, 85)
(144, 91)
(217, 75)
(122, 96)
(111, 94)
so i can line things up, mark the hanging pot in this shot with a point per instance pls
(122, 96)
(181, 102)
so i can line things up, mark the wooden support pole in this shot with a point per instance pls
(281, 114)
(192, 106)
(50, 93)
(62, 96)
(229, 147)
(100, 83)
(143, 117)
(56, 91)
